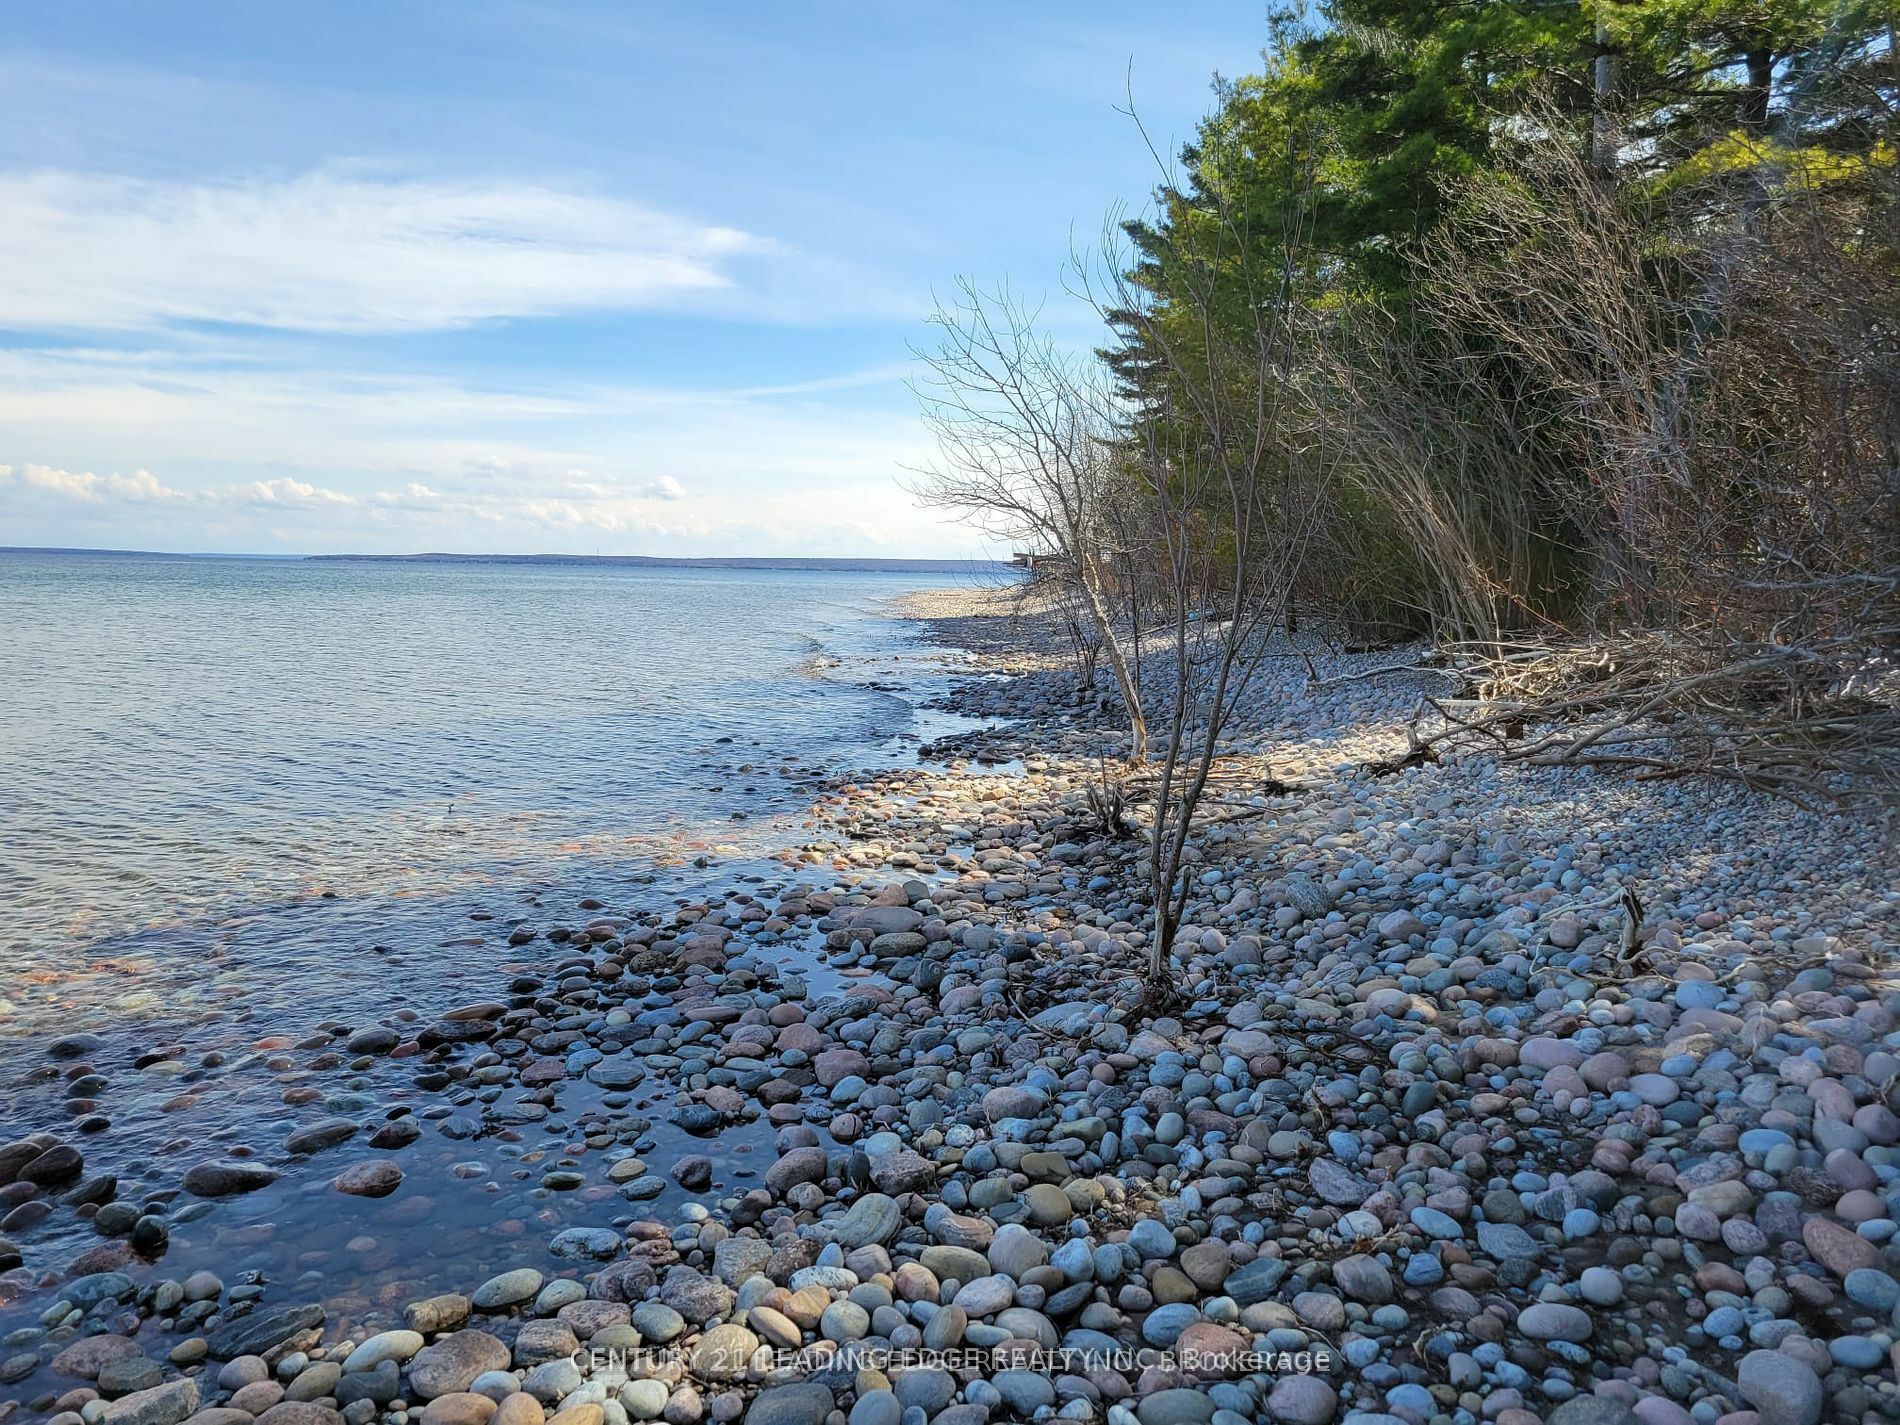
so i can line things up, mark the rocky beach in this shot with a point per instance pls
(1500, 1094)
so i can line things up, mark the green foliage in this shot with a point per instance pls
(1382, 141)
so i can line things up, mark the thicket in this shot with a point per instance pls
(1566, 338)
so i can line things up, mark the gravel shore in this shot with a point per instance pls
(1433, 1138)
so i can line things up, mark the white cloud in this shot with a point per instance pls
(138, 488)
(333, 251)
(324, 517)
(581, 502)
(141, 487)
(282, 493)
(179, 415)
(243, 457)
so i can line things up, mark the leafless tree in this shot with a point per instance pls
(1026, 452)
(1449, 481)
(1728, 398)
(1231, 453)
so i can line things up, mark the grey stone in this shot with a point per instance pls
(261, 1332)
(803, 1403)
(695, 1297)
(873, 1219)
(165, 1404)
(508, 1289)
(1016, 1250)
(584, 1244)
(1024, 1391)
(452, 1363)
(1782, 1389)
(656, 1321)
(1363, 1279)
(1336, 1185)
(1302, 1400)
(1555, 1321)
(1506, 1241)
(126, 1374)
(925, 1387)
(1175, 1407)
(738, 1258)
(223, 1178)
(1594, 1410)
(903, 1172)
(1255, 1282)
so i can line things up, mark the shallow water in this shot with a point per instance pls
(244, 799)
(280, 764)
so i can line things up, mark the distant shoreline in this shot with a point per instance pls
(660, 561)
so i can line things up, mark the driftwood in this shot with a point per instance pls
(1815, 722)
(1387, 670)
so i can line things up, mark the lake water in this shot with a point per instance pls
(243, 799)
(264, 770)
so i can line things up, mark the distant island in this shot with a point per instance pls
(659, 561)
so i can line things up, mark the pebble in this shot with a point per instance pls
(1408, 1112)
(510, 1288)
(1783, 1390)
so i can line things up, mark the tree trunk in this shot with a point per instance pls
(1090, 580)
(1159, 979)
(1603, 119)
(1758, 91)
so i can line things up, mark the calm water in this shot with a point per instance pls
(240, 799)
(278, 765)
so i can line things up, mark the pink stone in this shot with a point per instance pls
(1836, 1248)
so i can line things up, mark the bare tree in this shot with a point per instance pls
(1025, 439)
(1729, 398)
(1551, 269)
(1450, 481)
(1231, 453)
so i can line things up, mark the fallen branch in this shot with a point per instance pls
(1806, 722)
(1386, 670)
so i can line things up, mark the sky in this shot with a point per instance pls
(583, 278)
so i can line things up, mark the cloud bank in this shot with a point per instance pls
(335, 252)
(251, 351)
(522, 509)
(575, 499)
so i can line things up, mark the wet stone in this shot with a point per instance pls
(376, 1177)
(226, 1178)
(508, 1289)
(584, 1244)
(262, 1331)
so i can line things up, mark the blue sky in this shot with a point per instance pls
(588, 277)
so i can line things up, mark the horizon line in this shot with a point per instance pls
(447, 556)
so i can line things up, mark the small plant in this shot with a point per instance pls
(1108, 801)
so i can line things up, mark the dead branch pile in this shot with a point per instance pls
(1816, 722)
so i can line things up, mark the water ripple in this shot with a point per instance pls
(187, 745)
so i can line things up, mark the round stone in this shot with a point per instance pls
(1783, 1390)
(1554, 1321)
(508, 1289)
